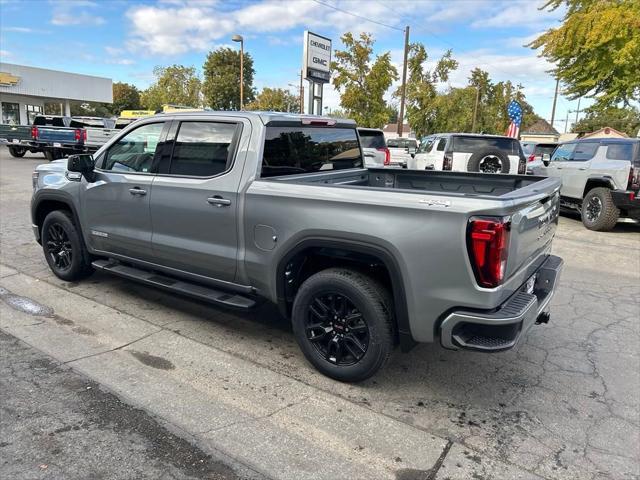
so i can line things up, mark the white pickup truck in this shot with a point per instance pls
(98, 131)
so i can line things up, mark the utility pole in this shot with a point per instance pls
(566, 121)
(555, 98)
(403, 90)
(578, 110)
(475, 109)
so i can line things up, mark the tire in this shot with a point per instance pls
(64, 248)
(489, 160)
(598, 210)
(358, 312)
(17, 152)
(48, 154)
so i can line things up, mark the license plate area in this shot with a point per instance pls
(56, 144)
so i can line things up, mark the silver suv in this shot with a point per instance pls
(600, 179)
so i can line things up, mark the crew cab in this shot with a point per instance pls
(237, 208)
(468, 152)
(600, 179)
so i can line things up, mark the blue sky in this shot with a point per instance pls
(124, 40)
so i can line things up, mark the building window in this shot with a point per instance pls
(11, 113)
(32, 112)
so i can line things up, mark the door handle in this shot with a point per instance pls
(582, 168)
(559, 168)
(218, 201)
(137, 191)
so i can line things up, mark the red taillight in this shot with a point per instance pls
(634, 180)
(488, 242)
(34, 133)
(387, 155)
(78, 135)
(531, 158)
(447, 163)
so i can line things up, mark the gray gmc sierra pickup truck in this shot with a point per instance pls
(234, 207)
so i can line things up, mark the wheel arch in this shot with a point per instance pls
(290, 274)
(595, 182)
(47, 202)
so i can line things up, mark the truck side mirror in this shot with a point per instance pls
(82, 163)
(546, 159)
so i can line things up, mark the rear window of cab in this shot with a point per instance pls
(463, 144)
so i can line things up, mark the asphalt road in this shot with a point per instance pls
(564, 405)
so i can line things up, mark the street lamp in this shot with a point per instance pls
(238, 38)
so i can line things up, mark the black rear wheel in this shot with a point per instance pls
(342, 320)
(64, 248)
(17, 152)
(598, 210)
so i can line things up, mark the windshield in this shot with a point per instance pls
(295, 150)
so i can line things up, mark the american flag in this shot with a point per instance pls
(515, 114)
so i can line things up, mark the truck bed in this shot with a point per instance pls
(450, 183)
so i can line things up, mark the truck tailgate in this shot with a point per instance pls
(534, 219)
(57, 134)
(96, 137)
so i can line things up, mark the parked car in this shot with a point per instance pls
(600, 179)
(248, 206)
(55, 136)
(401, 151)
(535, 152)
(374, 149)
(97, 130)
(466, 152)
(17, 138)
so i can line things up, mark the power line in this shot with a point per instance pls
(357, 16)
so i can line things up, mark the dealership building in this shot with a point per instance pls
(24, 91)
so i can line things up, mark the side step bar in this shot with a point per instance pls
(182, 287)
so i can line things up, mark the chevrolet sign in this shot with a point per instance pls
(317, 58)
(8, 79)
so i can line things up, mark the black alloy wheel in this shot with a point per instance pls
(59, 247)
(490, 164)
(337, 329)
(593, 208)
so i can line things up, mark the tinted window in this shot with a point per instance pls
(371, 139)
(441, 144)
(50, 121)
(584, 151)
(202, 148)
(620, 151)
(563, 152)
(292, 150)
(134, 152)
(473, 144)
(393, 142)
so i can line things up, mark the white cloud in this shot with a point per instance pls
(84, 18)
(5, 54)
(525, 15)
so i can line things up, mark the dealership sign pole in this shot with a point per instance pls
(316, 68)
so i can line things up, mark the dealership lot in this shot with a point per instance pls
(564, 405)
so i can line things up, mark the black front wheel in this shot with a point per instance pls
(342, 320)
(63, 247)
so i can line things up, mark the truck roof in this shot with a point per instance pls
(270, 118)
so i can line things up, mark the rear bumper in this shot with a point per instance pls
(502, 328)
(627, 201)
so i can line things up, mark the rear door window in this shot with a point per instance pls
(441, 144)
(371, 139)
(296, 150)
(203, 149)
(584, 151)
(620, 151)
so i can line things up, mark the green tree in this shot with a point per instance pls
(275, 100)
(596, 50)
(221, 87)
(625, 120)
(125, 97)
(362, 82)
(177, 85)
(421, 92)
